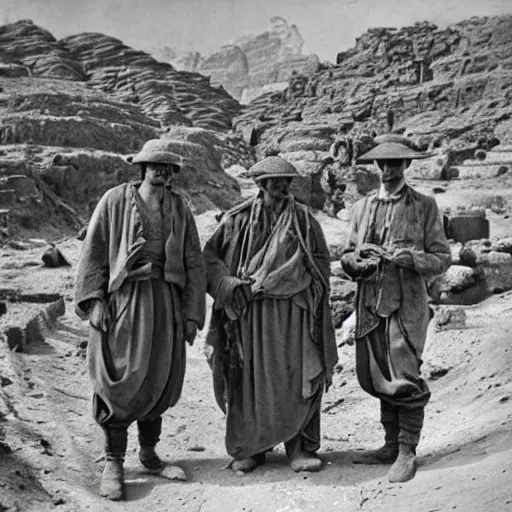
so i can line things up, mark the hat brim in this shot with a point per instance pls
(392, 151)
(153, 157)
(274, 175)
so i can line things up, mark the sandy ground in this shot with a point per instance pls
(54, 461)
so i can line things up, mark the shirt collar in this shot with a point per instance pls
(386, 196)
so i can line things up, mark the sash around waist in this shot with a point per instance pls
(151, 270)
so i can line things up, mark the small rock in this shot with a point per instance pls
(450, 318)
(196, 449)
(5, 381)
(53, 258)
(5, 449)
(59, 501)
(36, 395)
(504, 399)
(3, 308)
(437, 373)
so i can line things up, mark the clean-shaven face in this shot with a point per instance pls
(392, 170)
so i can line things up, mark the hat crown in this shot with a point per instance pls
(392, 151)
(155, 151)
(272, 167)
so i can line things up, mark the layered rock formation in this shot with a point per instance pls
(251, 66)
(62, 145)
(132, 76)
(447, 88)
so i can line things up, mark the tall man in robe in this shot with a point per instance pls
(141, 282)
(271, 331)
(397, 242)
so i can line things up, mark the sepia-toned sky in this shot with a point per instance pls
(327, 26)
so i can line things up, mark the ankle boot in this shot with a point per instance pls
(149, 435)
(404, 468)
(387, 453)
(112, 479)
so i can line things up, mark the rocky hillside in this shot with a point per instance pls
(453, 84)
(132, 76)
(63, 144)
(70, 112)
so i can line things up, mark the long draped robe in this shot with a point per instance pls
(131, 259)
(270, 362)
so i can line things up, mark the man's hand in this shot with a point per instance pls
(357, 267)
(403, 258)
(373, 251)
(190, 331)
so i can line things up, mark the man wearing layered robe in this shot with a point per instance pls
(141, 282)
(397, 242)
(271, 332)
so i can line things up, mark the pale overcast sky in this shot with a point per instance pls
(327, 26)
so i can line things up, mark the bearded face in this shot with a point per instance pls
(159, 175)
(277, 188)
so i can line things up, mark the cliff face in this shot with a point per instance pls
(251, 65)
(453, 85)
(132, 76)
(71, 110)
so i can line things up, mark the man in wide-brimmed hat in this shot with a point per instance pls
(271, 338)
(141, 282)
(397, 242)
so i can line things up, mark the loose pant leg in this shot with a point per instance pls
(116, 439)
(149, 431)
(389, 417)
(411, 424)
(309, 436)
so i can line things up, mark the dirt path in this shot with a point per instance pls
(465, 456)
(49, 459)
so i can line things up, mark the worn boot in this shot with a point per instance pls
(411, 424)
(112, 479)
(387, 453)
(404, 468)
(149, 435)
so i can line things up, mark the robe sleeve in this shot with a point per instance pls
(216, 268)
(436, 257)
(194, 296)
(320, 249)
(348, 265)
(93, 266)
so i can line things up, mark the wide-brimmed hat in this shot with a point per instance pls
(272, 167)
(155, 151)
(392, 147)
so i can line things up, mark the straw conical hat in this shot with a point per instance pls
(391, 151)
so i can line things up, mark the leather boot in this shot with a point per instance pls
(149, 435)
(404, 468)
(387, 453)
(112, 479)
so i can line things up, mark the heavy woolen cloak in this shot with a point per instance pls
(270, 362)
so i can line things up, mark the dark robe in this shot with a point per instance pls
(270, 360)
